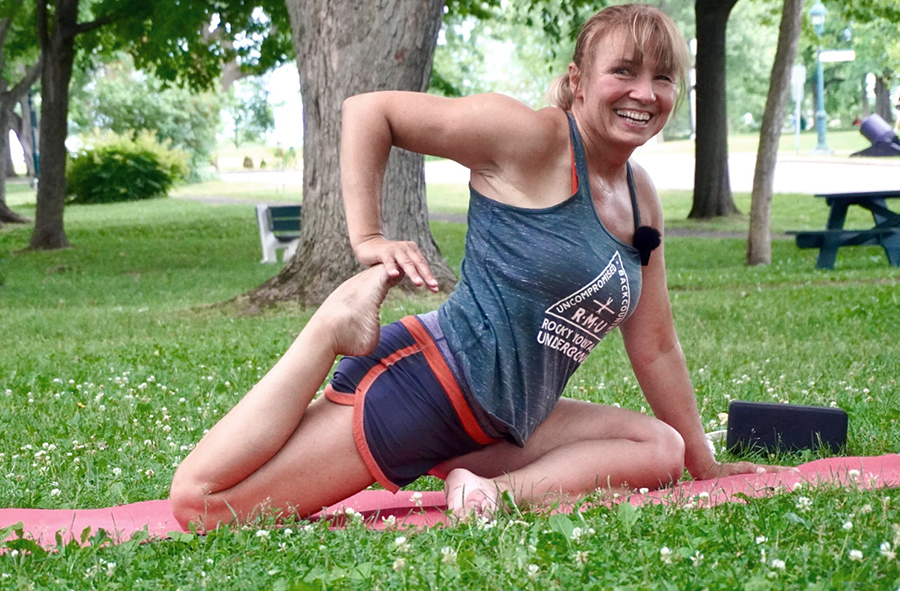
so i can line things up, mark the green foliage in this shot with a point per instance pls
(126, 102)
(249, 111)
(115, 168)
(188, 42)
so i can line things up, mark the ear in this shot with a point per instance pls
(574, 80)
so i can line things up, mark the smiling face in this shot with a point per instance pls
(623, 97)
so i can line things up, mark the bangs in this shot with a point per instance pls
(651, 38)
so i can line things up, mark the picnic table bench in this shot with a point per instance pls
(279, 229)
(885, 232)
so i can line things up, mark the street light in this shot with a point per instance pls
(817, 16)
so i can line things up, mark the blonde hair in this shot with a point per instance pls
(648, 25)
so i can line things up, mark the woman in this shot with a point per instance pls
(471, 392)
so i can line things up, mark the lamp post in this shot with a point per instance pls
(817, 16)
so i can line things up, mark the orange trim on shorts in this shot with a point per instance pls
(342, 398)
(358, 400)
(443, 374)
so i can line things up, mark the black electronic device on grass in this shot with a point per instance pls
(770, 427)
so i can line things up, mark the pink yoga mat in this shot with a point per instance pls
(410, 509)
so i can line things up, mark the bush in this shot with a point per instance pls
(120, 168)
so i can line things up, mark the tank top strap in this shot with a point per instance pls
(633, 191)
(580, 181)
(579, 164)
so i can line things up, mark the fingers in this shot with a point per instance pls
(400, 258)
(751, 468)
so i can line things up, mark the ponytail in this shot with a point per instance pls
(560, 93)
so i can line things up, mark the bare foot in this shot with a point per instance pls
(351, 312)
(468, 493)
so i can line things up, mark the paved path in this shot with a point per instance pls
(793, 174)
(672, 171)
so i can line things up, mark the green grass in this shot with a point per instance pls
(114, 363)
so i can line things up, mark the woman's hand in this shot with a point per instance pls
(719, 470)
(399, 258)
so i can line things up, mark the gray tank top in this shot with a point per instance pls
(538, 290)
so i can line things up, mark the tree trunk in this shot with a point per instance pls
(6, 214)
(864, 105)
(27, 134)
(883, 98)
(712, 186)
(58, 48)
(343, 48)
(759, 240)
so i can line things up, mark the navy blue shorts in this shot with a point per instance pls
(409, 412)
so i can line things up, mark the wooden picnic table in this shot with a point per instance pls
(885, 232)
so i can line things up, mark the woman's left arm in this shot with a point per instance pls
(659, 363)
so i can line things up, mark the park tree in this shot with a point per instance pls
(712, 185)
(359, 47)
(173, 39)
(873, 32)
(344, 47)
(249, 111)
(759, 240)
(19, 70)
(121, 100)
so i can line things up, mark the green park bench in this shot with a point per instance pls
(279, 229)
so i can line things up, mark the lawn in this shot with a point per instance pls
(116, 358)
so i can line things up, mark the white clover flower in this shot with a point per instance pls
(390, 521)
(853, 473)
(886, 550)
(697, 558)
(848, 525)
(149, 473)
(644, 490)
(262, 533)
(55, 492)
(665, 554)
(703, 495)
(533, 570)
(582, 557)
(577, 533)
(761, 539)
(399, 564)
(856, 555)
(287, 531)
(416, 498)
(804, 503)
(448, 555)
(401, 544)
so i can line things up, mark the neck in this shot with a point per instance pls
(604, 158)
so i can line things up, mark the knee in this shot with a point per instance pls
(668, 448)
(188, 502)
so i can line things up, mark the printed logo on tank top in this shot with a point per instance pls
(575, 324)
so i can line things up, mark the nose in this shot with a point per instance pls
(643, 90)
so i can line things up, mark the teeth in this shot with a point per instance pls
(634, 116)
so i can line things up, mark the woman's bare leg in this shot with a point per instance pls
(579, 448)
(237, 456)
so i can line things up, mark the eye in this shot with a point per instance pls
(666, 78)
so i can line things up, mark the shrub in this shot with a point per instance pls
(121, 168)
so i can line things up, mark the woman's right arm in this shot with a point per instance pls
(485, 133)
